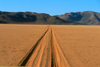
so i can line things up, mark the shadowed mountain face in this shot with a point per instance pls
(3, 22)
(87, 17)
(31, 18)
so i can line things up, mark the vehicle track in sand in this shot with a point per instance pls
(45, 53)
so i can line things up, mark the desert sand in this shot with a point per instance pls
(80, 44)
(49, 45)
(16, 41)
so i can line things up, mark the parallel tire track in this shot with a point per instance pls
(45, 53)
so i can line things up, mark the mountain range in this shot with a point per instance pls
(86, 17)
(76, 18)
(31, 18)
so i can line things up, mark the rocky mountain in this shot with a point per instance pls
(86, 17)
(31, 18)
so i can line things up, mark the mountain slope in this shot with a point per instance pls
(86, 17)
(31, 18)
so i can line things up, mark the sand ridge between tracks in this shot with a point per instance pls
(45, 53)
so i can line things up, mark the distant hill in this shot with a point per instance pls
(86, 17)
(31, 18)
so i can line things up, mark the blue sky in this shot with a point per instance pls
(52, 7)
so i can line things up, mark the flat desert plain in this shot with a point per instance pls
(49, 45)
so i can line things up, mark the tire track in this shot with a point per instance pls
(45, 53)
(58, 56)
(28, 55)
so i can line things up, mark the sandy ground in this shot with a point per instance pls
(50, 46)
(80, 44)
(46, 53)
(16, 40)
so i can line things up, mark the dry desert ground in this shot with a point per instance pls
(49, 45)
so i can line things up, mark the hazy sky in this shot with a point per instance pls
(52, 7)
